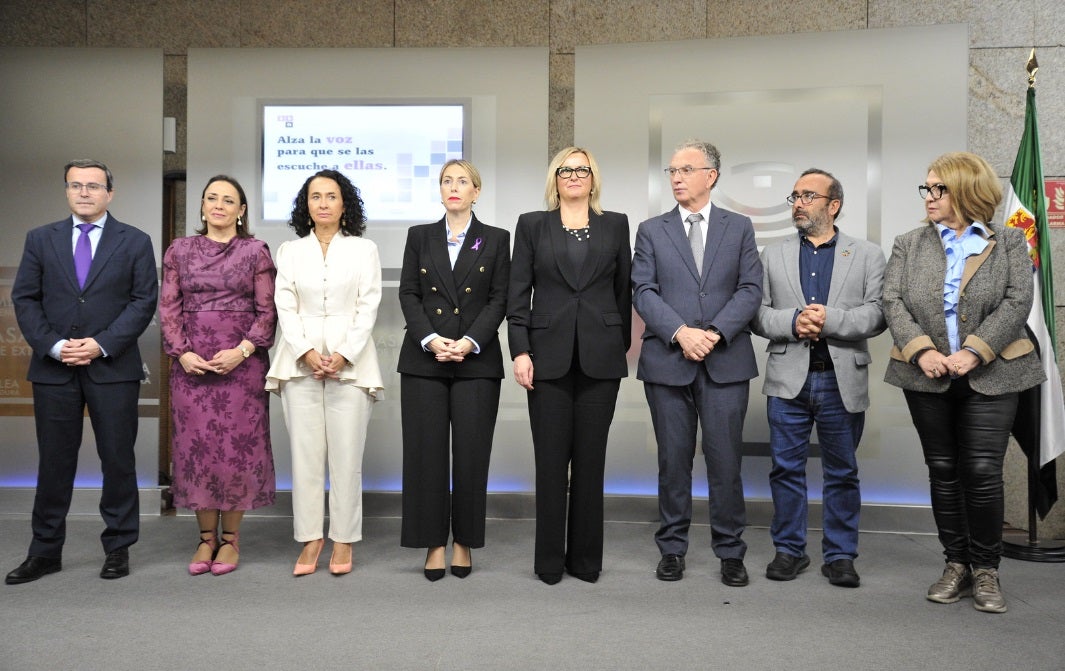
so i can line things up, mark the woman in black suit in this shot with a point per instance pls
(569, 314)
(453, 292)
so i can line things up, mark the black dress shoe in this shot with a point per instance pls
(786, 567)
(32, 569)
(670, 568)
(590, 576)
(550, 578)
(116, 565)
(841, 573)
(733, 573)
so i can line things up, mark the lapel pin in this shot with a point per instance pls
(477, 244)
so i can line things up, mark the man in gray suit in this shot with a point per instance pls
(821, 303)
(696, 358)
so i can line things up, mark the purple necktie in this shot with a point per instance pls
(83, 254)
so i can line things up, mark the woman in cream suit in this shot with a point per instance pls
(325, 366)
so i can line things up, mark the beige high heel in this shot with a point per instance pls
(307, 569)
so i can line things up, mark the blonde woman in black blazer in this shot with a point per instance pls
(453, 292)
(569, 315)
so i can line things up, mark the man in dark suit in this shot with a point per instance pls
(821, 304)
(697, 360)
(86, 288)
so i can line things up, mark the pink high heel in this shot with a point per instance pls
(201, 567)
(222, 568)
(340, 569)
(307, 569)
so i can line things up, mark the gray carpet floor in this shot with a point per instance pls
(385, 615)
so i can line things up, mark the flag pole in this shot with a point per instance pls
(1034, 549)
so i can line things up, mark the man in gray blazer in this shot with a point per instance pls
(821, 303)
(696, 358)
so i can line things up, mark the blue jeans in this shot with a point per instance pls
(838, 431)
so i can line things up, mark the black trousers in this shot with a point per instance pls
(59, 413)
(446, 417)
(964, 435)
(570, 419)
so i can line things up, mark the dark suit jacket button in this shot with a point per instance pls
(439, 311)
(434, 289)
(481, 269)
(469, 290)
(423, 271)
(702, 294)
(456, 310)
(80, 299)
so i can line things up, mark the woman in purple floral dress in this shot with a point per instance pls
(217, 319)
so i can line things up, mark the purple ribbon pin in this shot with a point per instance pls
(477, 244)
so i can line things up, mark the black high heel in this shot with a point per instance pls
(432, 574)
(463, 571)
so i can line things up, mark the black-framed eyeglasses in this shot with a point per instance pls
(582, 171)
(685, 171)
(937, 190)
(93, 187)
(807, 197)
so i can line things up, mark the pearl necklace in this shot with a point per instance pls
(576, 232)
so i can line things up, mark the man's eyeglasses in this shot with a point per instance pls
(93, 187)
(937, 190)
(807, 197)
(582, 171)
(685, 171)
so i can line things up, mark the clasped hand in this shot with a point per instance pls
(222, 363)
(324, 367)
(933, 364)
(696, 343)
(810, 322)
(445, 349)
(79, 351)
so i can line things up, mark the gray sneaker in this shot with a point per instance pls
(955, 583)
(987, 594)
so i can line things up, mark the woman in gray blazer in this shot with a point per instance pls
(957, 293)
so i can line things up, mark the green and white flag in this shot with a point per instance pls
(1044, 436)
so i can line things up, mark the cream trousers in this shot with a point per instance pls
(327, 422)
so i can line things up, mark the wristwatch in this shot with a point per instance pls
(244, 351)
